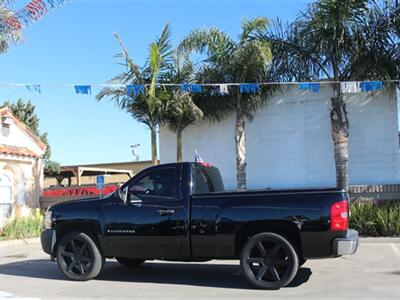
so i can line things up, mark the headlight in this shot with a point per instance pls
(48, 222)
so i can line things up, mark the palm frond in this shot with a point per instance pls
(247, 60)
(164, 52)
(253, 28)
(216, 44)
(181, 111)
(115, 94)
(133, 68)
(337, 40)
(164, 44)
(8, 35)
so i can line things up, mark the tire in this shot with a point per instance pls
(269, 261)
(302, 261)
(130, 262)
(78, 257)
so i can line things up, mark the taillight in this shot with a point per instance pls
(340, 216)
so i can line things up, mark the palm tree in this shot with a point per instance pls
(145, 107)
(180, 110)
(230, 61)
(336, 40)
(7, 33)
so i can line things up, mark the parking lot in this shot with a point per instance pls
(374, 272)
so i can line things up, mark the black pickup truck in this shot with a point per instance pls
(181, 212)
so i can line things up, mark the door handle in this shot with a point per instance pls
(136, 202)
(165, 212)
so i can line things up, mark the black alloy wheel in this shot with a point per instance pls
(79, 257)
(269, 261)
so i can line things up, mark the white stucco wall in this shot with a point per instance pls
(18, 138)
(26, 173)
(289, 142)
(374, 141)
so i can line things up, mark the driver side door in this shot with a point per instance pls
(152, 222)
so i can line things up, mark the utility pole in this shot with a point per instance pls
(135, 152)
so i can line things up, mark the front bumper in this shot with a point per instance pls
(48, 240)
(346, 245)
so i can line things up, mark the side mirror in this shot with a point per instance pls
(123, 194)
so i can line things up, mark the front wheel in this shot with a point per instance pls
(78, 257)
(130, 262)
(269, 261)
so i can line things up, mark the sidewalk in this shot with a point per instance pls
(379, 240)
(8, 243)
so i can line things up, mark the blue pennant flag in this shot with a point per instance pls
(83, 89)
(314, 87)
(303, 86)
(135, 90)
(368, 86)
(191, 88)
(249, 87)
(34, 88)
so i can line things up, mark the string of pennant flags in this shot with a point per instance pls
(135, 90)
(32, 12)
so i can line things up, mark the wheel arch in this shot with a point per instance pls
(286, 229)
(89, 228)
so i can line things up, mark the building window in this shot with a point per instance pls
(5, 198)
(5, 130)
(5, 126)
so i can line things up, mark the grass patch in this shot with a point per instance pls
(371, 218)
(23, 227)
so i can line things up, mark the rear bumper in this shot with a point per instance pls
(346, 245)
(48, 240)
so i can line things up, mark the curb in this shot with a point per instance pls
(19, 242)
(379, 240)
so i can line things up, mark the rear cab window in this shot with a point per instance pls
(206, 180)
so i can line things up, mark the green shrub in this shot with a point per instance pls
(23, 227)
(375, 219)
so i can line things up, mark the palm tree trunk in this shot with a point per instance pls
(154, 160)
(240, 145)
(340, 136)
(179, 145)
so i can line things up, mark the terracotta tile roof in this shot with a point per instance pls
(5, 111)
(12, 150)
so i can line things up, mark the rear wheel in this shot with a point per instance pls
(130, 262)
(78, 257)
(302, 261)
(269, 261)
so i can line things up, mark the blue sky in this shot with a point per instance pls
(74, 45)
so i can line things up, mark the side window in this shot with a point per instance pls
(161, 183)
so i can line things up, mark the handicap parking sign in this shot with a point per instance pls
(100, 182)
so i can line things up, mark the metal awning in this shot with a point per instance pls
(78, 172)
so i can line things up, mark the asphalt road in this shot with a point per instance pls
(373, 272)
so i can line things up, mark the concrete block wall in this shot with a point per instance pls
(289, 141)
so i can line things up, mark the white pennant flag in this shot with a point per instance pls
(350, 87)
(223, 89)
